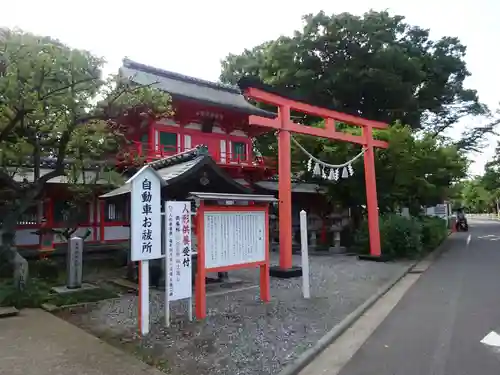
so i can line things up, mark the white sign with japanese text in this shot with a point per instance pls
(178, 250)
(145, 212)
(441, 210)
(233, 238)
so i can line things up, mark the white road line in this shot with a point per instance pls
(469, 239)
(491, 339)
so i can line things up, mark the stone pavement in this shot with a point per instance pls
(38, 343)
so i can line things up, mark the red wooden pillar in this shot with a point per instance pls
(285, 190)
(47, 239)
(50, 211)
(323, 234)
(265, 282)
(181, 142)
(371, 193)
(101, 219)
(200, 282)
(95, 210)
(152, 148)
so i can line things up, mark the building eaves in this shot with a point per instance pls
(184, 87)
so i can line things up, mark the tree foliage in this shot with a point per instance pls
(482, 193)
(412, 172)
(57, 110)
(380, 67)
(376, 66)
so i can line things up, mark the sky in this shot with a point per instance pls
(191, 37)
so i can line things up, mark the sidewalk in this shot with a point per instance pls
(38, 343)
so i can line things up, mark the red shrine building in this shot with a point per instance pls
(206, 146)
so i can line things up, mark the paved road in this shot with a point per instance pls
(437, 327)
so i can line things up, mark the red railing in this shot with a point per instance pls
(139, 150)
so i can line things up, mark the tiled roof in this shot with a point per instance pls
(28, 175)
(174, 166)
(183, 157)
(184, 87)
(297, 187)
(232, 197)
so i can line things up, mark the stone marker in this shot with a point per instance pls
(74, 263)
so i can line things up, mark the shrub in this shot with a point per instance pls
(46, 269)
(400, 237)
(6, 269)
(33, 295)
(81, 296)
(434, 231)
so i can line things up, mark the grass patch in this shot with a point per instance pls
(159, 363)
(38, 292)
(81, 296)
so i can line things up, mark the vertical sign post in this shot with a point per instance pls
(74, 263)
(304, 255)
(178, 267)
(145, 230)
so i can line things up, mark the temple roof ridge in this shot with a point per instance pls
(182, 87)
(181, 77)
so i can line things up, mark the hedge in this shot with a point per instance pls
(403, 237)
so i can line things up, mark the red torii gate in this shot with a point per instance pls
(285, 125)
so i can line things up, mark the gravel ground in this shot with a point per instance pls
(241, 335)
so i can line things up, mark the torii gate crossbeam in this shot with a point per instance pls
(285, 126)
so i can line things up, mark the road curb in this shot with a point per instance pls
(310, 354)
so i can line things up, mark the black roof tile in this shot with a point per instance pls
(184, 87)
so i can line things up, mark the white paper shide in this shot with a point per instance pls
(145, 216)
(233, 238)
(178, 250)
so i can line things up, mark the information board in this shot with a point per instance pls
(235, 237)
(178, 250)
(441, 210)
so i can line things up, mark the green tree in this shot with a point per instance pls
(380, 67)
(56, 107)
(412, 172)
(490, 180)
(376, 66)
(475, 197)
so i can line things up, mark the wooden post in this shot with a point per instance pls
(371, 193)
(265, 282)
(305, 255)
(201, 303)
(285, 190)
(102, 217)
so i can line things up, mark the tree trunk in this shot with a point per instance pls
(9, 253)
(8, 250)
(21, 271)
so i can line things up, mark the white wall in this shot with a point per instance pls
(26, 237)
(116, 233)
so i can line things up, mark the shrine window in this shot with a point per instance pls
(239, 151)
(29, 217)
(168, 141)
(115, 211)
(68, 213)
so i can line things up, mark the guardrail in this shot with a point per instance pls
(484, 216)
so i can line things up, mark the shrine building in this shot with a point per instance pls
(206, 146)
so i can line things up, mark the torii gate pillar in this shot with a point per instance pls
(285, 200)
(285, 125)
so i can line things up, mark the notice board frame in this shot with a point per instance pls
(238, 205)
